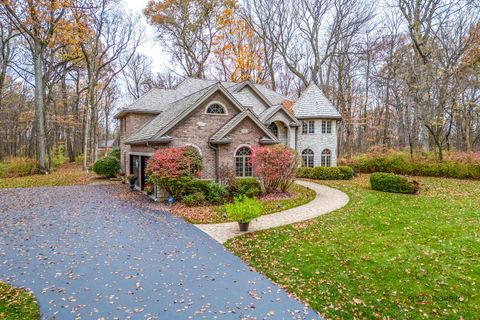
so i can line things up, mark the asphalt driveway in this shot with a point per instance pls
(89, 253)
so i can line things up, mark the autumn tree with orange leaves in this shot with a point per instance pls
(238, 50)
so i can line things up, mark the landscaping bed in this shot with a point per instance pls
(384, 255)
(297, 195)
(17, 304)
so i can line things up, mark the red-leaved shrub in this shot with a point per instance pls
(275, 166)
(167, 167)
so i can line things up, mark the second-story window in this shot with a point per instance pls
(308, 126)
(326, 126)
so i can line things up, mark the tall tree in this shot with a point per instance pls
(110, 46)
(45, 28)
(188, 29)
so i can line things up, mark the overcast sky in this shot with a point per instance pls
(150, 48)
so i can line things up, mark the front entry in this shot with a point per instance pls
(138, 164)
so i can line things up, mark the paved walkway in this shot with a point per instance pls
(327, 200)
(87, 252)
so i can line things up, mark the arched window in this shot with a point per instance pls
(273, 128)
(307, 158)
(243, 167)
(326, 158)
(215, 108)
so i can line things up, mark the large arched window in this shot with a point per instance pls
(326, 158)
(273, 128)
(307, 158)
(215, 108)
(243, 167)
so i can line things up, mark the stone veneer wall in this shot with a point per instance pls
(319, 141)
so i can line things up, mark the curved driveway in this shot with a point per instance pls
(88, 253)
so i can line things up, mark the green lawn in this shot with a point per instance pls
(17, 304)
(383, 255)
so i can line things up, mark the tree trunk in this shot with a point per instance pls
(40, 107)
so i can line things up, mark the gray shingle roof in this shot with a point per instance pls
(172, 105)
(313, 104)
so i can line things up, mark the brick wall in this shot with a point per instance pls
(245, 133)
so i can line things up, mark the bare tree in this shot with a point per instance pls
(115, 39)
(137, 75)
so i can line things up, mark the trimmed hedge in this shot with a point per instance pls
(400, 164)
(107, 167)
(388, 182)
(326, 173)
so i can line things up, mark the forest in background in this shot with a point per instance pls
(404, 74)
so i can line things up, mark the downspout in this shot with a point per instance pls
(215, 149)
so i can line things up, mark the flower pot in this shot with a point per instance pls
(131, 184)
(243, 226)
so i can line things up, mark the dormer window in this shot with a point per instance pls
(216, 108)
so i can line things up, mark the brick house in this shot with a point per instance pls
(222, 120)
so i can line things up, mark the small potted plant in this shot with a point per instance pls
(148, 189)
(244, 210)
(131, 180)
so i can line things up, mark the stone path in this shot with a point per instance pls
(88, 252)
(327, 200)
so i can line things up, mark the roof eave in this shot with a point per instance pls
(161, 140)
(265, 140)
(320, 117)
(124, 112)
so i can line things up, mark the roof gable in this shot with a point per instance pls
(270, 113)
(221, 134)
(258, 93)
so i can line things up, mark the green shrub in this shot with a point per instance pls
(184, 186)
(18, 167)
(193, 199)
(115, 152)
(106, 167)
(215, 193)
(420, 165)
(249, 187)
(244, 209)
(392, 183)
(326, 173)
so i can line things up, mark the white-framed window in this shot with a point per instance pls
(326, 126)
(326, 158)
(216, 108)
(273, 128)
(307, 158)
(243, 166)
(308, 126)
